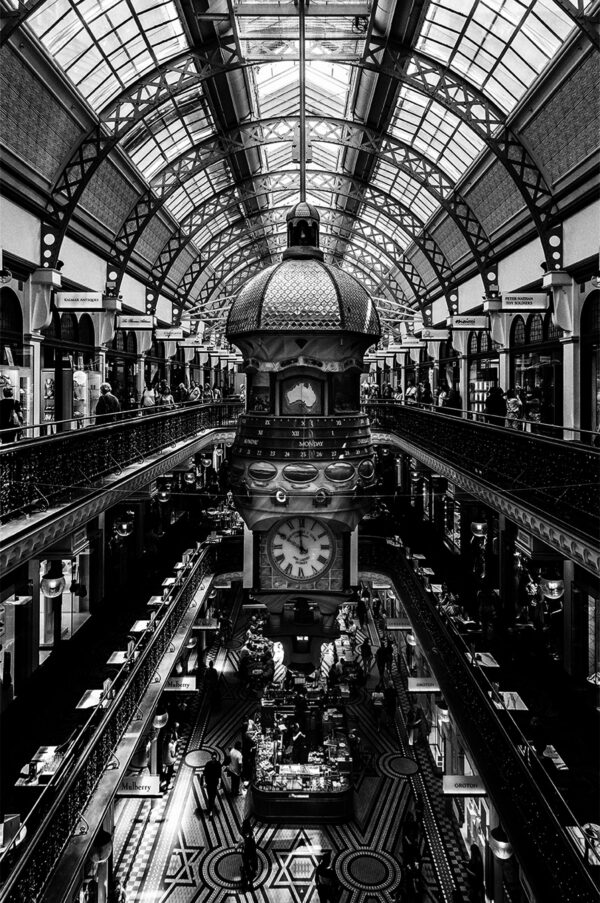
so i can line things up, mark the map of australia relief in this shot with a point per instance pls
(301, 396)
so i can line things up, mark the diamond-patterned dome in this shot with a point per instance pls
(304, 295)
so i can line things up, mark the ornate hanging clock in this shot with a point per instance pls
(301, 548)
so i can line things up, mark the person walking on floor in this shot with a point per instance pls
(249, 866)
(235, 767)
(211, 684)
(367, 655)
(325, 879)
(211, 779)
(11, 416)
(361, 613)
(380, 661)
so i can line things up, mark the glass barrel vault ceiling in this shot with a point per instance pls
(105, 46)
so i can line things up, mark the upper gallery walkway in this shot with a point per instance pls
(55, 483)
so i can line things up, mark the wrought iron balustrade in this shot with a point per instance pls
(56, 470)
(531, 809)
(25, 869)
(555, 478)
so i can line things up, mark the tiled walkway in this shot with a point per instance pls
(171, 850)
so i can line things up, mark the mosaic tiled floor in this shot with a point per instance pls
(170, 851)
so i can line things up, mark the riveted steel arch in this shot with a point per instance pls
(343, 223)
(349, 187)
(335, 131)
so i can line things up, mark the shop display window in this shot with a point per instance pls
(62, 615)
(452, 522)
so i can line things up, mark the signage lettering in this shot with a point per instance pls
(531, 301)
(463, 785)
(423, 685)
(169, 335)
(140, 785)
(79, 300)
(181, 683)
(139, 321)
(469, 322)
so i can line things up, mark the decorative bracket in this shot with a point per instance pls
(561, 285)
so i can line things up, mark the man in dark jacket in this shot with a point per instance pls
(211, 779)
(108, 405)
(11, 416)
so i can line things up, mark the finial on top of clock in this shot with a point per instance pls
(303, 232)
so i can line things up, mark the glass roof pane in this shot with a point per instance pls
(104, 45)
(485, 40)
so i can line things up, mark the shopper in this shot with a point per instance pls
(249, 866)
(164, 398)
(248, 752)
(380, 658)
(361, 612)
(211, 779)
(11, 416)
(514, 409)
(411, 393)
(325, 879)
(235, 767)
(148, 400)
(195, 393)
(108, 405)
(413, 725)
(495, 406)
(475, 875)
(390, 702)
(211, 685)
(366, 654)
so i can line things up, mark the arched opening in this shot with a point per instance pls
(590, 364)
(11, 328)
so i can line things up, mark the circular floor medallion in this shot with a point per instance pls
(395, 765)
(221, 868)
(368, 870)
(197, 758)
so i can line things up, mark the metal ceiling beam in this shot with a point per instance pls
(227, 201)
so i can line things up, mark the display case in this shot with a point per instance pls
(316, 790)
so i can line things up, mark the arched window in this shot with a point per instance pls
(473, 343)
(486, 343)
(86, 331)
(551, 331)
(535, 329)
(518, 331)
(52, 330)
(131, 343)
(119, 341)
(68, 328)
(11, 315)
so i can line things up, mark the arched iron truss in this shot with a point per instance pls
(280, 181)
(344, 223)
(232, 239)
(335, 131)
(420, 72)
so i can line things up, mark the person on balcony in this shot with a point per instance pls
(495, 406)
(108, 406)
(11, 416)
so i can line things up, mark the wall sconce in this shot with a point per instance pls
(53, 582)
(123, 524)
(189, 478)
(552, 587)
(479, 529)
(164, 493)
(499, 843)
(160, 718)
(411, 639)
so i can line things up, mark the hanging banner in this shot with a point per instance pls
(135, 321)
(467, 321)
(530, 301)
(462, 785)
(82, 301)
(135, 785)
(169, 335)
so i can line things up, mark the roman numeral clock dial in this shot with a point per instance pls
(301, 548)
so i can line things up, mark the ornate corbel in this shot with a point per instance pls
(43, 281)
(561, 287)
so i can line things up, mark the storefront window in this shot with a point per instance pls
(63, 614)
(590, 366)
(15, 372)
(537, 370)
(483, 363)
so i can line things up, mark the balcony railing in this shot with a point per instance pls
(26, 868)
(532, 811)
(50, 471)
(554, 478)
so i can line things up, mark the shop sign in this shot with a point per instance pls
(465, 321)
(398, 624)
(532, 301)
(423, 685)
(463, 785)
(147, 785)
(137, 321)
(412, 342)
(192, 341)
(434, 335)
(169, 335)
(79, 301)
(182, 683)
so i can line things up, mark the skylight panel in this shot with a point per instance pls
(103, 46)
(490, 42)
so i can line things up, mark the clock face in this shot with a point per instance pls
(301, 547)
